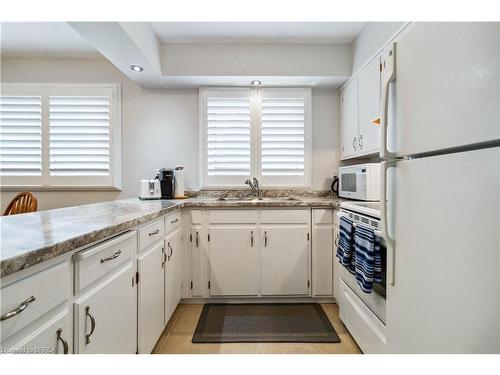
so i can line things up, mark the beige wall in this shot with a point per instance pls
(159, 127)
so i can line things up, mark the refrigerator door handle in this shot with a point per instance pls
(388, 76)
(390, 242)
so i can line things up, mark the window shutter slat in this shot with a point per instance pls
(283, 136)
(20, 136)
(228, 136)
(79, 135)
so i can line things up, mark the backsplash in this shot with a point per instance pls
(264, 193)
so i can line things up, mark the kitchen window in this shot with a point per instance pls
(60, 136)
(255, 132)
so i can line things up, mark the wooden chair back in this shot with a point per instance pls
(22, 203)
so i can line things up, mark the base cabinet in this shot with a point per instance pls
(172, 249)
(53, 337)
(105, 317)
(234, 260)
(284, 260)
(150, 297)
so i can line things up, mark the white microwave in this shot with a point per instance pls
(361, 181)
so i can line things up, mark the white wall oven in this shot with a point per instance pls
(364, 314)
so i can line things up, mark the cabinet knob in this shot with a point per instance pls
(354, 144)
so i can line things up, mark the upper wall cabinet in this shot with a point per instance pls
(360, 101)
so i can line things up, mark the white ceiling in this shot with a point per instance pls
(257, 32)
(43, 39)
(58, 39)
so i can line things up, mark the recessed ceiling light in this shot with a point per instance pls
(136, 68)
(256, 82)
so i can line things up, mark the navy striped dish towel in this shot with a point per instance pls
(368, 261)
(345, 249)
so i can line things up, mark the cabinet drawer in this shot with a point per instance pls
(47, 289)
(320, 216)
(172, 222)
(94, 263)
(53, 337)
(151, 233)
(232, 216)
(197, 216)
(284, 216)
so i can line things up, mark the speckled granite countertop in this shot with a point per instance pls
(29, 239)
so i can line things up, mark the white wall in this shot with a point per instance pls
(373, 36)
(159, 127)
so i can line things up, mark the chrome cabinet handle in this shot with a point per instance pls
(174, 221)
(92, 324)
(64, 342)
(153, 233)
(360, 141)
(337, 240)
(197, 240)
(251, 238)
(354, 144)
(265, 239)
(114, 256)
(164, 257)
(171, 251)
(19, 309)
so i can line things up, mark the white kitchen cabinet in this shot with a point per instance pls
(369, 91)
(322, 253)
(53, 337)
(150, 297)
(284, 260)
(172, 272)
(349, 119)
(199, 277)
(234, 260)
(360, 109)
(105, 317)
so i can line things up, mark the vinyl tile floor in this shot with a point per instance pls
(176, 338)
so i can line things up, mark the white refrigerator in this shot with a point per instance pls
(440, 137)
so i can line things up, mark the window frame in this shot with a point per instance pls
(255, 95)
(47, 182)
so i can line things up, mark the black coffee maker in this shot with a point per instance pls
(166, 178)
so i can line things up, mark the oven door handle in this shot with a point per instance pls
(389, 241)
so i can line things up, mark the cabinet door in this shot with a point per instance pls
(369, 107)
(150, 297)
(198, 260)
(106, 316)
(172, 270)
(53, 337)
(322, 260)
(233, 257)
(284, 260)
(349, 119)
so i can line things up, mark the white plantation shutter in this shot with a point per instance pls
(60, 136)
(20, 136)
(79, 135)
(227, 131)
(263, 133)
(283, 136)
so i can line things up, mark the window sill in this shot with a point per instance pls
(58, 188)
